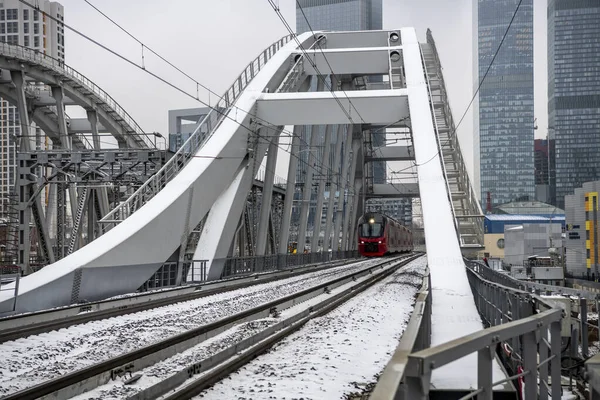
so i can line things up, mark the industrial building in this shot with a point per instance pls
(582, 231)
(496, 226)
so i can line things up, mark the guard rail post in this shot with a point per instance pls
(583, 326)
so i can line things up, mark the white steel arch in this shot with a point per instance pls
(214, 184)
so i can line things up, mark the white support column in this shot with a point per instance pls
(93, 118)
(222, 220)
(91, 215)
(356, 158)
(307, 190)
(289, 191)
(65, 140)
(19, 81)
(344, 184)
(314, 244)
(267, 197)
(333, 186)
(357, 205)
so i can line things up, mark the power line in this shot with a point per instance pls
(480, 84)
(175, 67)
(326, 60)
(171, 84)
(320, 75)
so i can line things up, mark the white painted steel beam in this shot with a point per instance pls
(83, 125)
(356, 39)
(322, 108)
(395, 190)
(358, 61)
(392, 153)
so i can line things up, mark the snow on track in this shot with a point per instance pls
(33, 360)
(160, 371)
(334, 355)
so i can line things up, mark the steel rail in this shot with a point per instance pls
(21, 327)
(229, 360)
(88, 378)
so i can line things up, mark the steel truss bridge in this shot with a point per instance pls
(218, 196)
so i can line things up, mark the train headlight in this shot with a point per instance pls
(379, 242)
(362, 242)
(372, 221)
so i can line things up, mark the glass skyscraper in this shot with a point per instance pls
(339, 15)
(504, 120)
(573, 94)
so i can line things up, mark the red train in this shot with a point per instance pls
(379, 235)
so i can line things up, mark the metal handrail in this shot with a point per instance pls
(530, 287)
(277, 180)
(196, 140)
(451, 125)
(471, 197)
(408, 373)
(440, 151)
(30, 55)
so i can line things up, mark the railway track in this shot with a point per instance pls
(24, 325)
(87, 378)
(224, 364)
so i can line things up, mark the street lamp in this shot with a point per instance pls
(158, 135)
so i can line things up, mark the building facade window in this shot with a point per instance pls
(505, 123)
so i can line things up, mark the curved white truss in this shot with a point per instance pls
(127, 255)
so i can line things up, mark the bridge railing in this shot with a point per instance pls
(201, 135)
(30, 55)
(236, 266)
(277, 180)
(531, 287)
(473, 215)
(527, 329)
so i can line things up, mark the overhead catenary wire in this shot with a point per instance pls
(165, 81)
(479, 86)
(320, 75)
(326, 60)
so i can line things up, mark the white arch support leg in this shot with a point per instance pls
(314, 244)
(267, 197)
(333, 187)
(289, 192)
(343, 185)
(356, 158)
(222, 220)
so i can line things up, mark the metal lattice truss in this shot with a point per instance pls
(203, 200)
(53, 179)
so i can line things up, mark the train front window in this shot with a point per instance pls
(372, 230)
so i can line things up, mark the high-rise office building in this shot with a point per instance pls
(504, 120)
(573, 94)
(24, 26)
(339, 15)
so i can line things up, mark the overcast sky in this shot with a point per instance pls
(213, 41)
